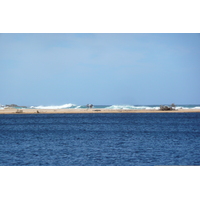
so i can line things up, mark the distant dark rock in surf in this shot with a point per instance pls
(90, 105)
(12, 105)
(15, 105)
(172, 107)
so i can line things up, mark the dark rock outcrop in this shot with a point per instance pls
(172, 107)
(90, 105)
(15, 105)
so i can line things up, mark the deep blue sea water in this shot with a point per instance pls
(122, 139)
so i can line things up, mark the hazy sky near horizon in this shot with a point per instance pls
(103, 69)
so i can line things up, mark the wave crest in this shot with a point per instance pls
(129, 107)
(69, 105)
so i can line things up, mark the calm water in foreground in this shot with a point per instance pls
(100, 139)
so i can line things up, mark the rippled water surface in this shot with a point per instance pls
(100, 139)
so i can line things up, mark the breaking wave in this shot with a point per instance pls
(112, 107)
(155, 107)
(65, 106)
(197, 107)
(129, 107)
(187, 107)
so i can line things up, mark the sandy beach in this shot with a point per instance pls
(74, 111)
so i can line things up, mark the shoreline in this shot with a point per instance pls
(85, 111)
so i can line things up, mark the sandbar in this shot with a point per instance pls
(79, 111)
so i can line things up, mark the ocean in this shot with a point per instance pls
(119, 139)
(118, 107)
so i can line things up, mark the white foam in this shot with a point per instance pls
(197, 107)
(181, 107)
(113, 107)
(54, 107)
(128, 107)
(2, 107)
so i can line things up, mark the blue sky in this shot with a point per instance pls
(103, 69)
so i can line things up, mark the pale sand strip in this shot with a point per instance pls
(71, 111)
